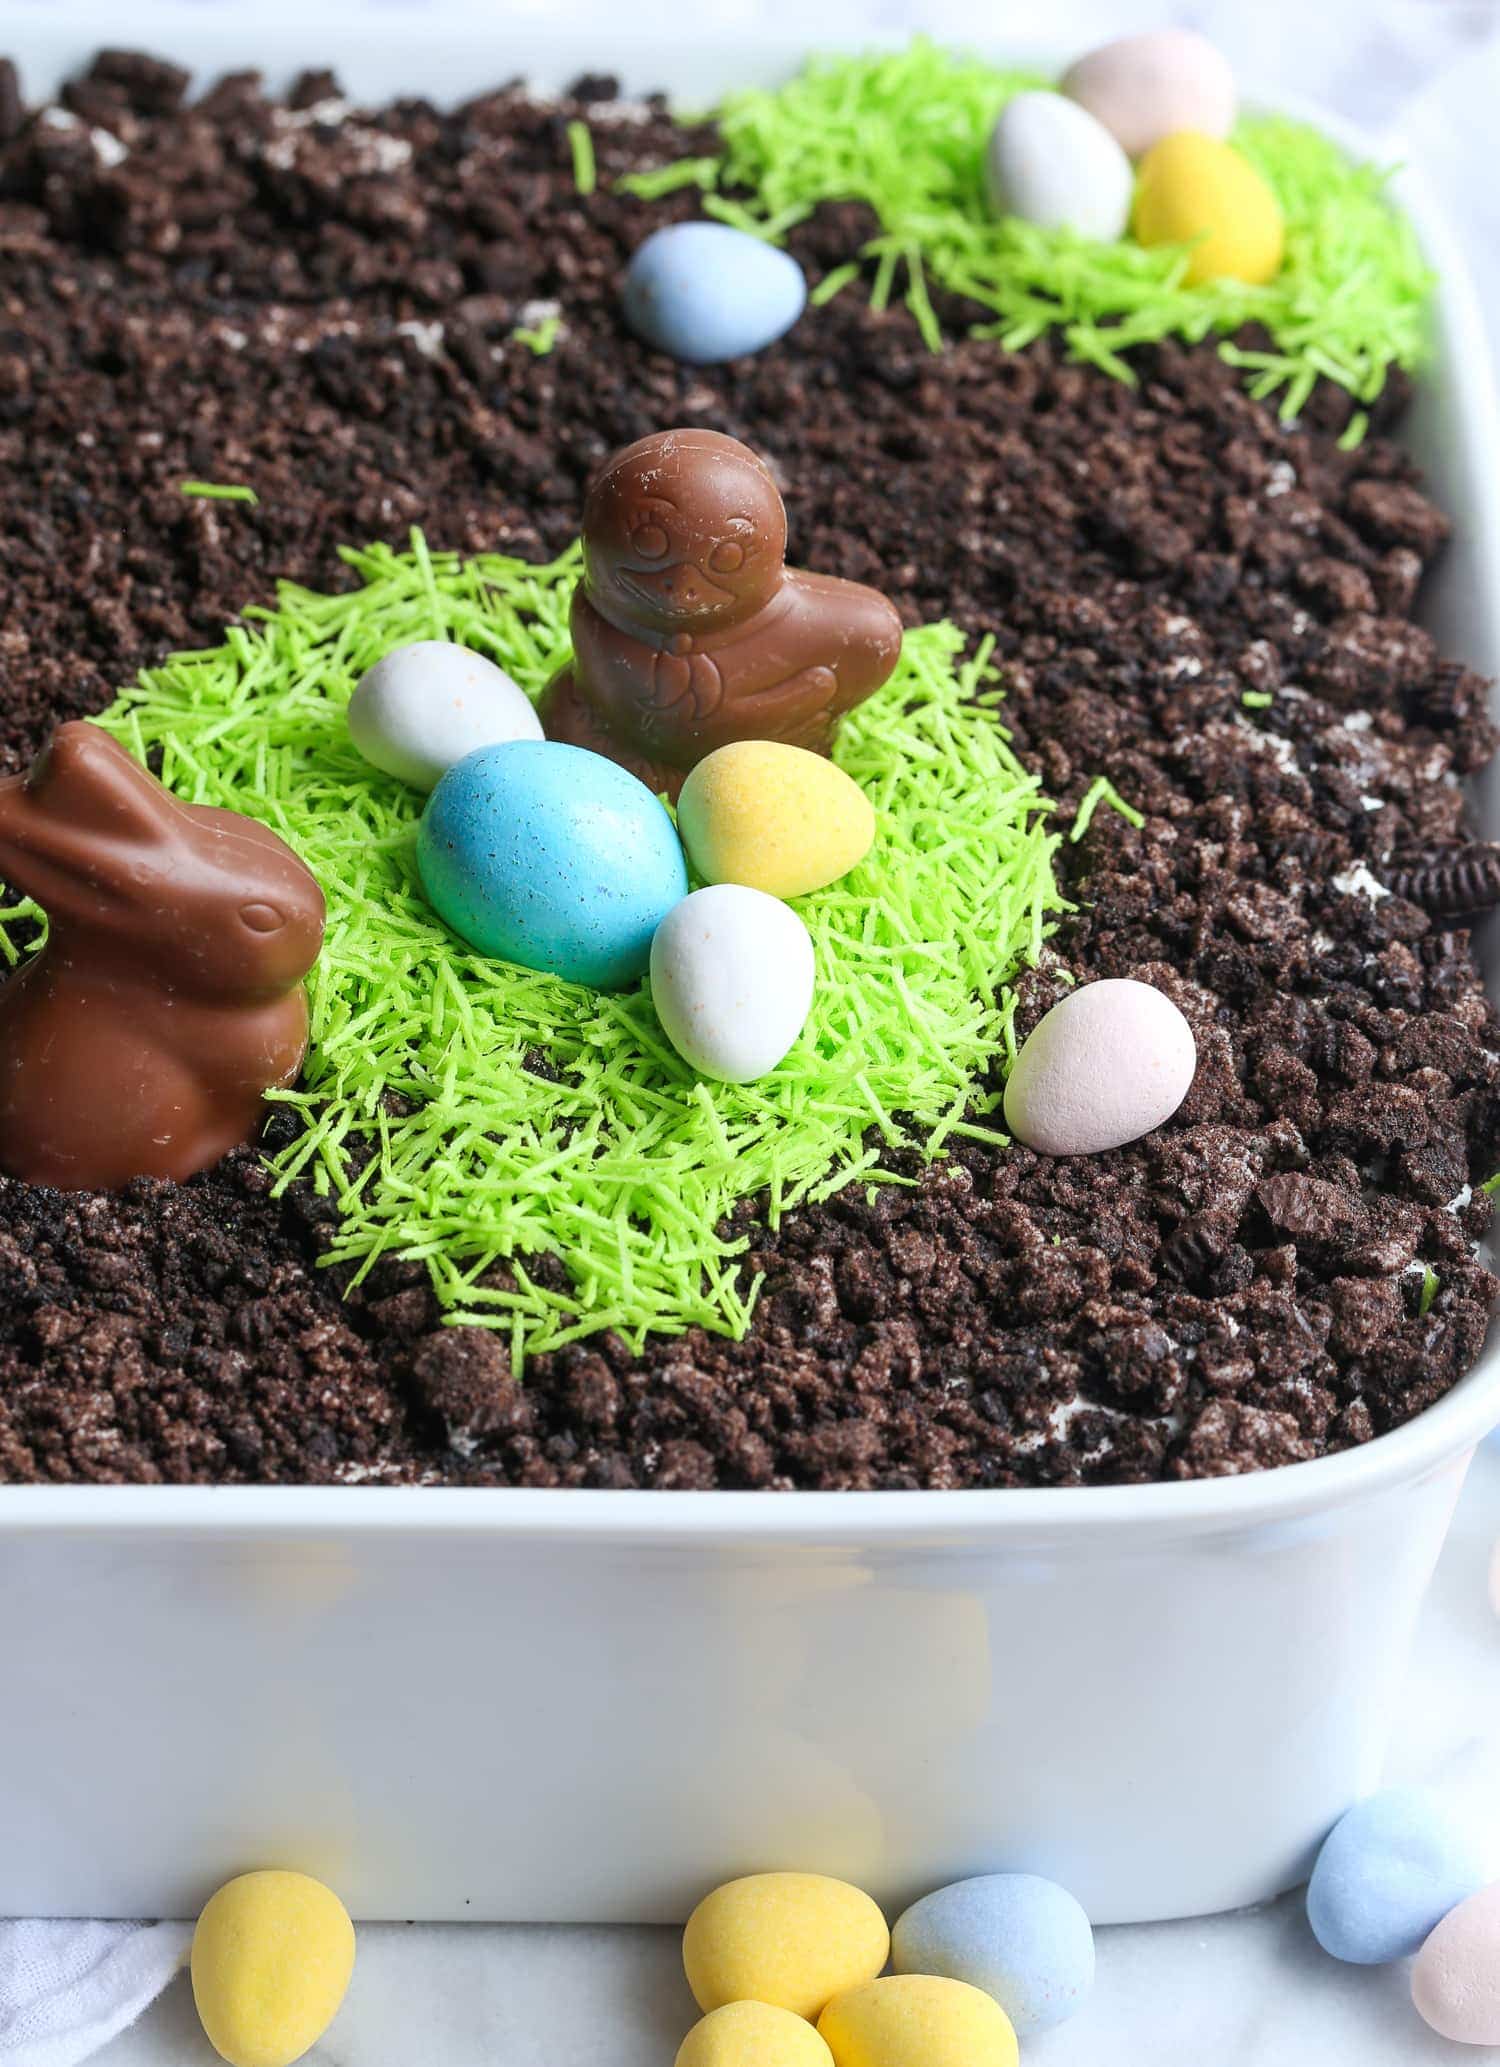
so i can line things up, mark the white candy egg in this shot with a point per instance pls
(1052, 164)
(1108, 1063)
(732, 980)
(1143, 88)
(424, 706)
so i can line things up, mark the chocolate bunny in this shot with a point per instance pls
(168, 998)
(689, 631)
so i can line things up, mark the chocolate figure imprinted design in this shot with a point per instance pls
(690, 631)
(168, 999)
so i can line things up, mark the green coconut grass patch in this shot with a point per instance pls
(475, 1116)
(907, 133)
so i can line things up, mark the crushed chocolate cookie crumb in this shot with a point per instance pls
(319, 301)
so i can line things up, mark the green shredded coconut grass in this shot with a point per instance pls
(906, 133)
(1102, 791)
(1431, 1284)
(218, 491)
(540, 338)
(669, 179)
(581, 144)
(426, 1118)
(1258, 699)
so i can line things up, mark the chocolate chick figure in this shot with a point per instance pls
(689, 630)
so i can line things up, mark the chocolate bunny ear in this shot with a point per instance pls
(82, 799)
(88, 780)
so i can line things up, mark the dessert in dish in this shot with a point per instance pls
(1199, 614)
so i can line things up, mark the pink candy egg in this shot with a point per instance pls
(1108, 1063)
(1455, 1982)
(1143, 88)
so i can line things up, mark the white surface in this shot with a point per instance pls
(732, 1674)
(1249, 1990)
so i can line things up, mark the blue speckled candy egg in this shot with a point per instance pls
(553, 857)
(1022, 1939)
(705, 292)
(1388, 1873)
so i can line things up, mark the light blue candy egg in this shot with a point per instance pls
(705, 292)
(1022, 1939)
(553, 857)
(1388, 1873)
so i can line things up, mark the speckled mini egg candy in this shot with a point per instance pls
(732, 981)
(705, 292)
(1193, 190)
(553, 857)
(1109, 1062)
(789, 1939)
(1455, 1982)
(1142, 88)
(272, 1957)
(1387, 1874)
(753, 2034)
(424, 706)
(918, 2020)
(773, 817)
(1020, 1938)
(1050, 163)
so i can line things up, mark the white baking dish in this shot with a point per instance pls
(534, 1705)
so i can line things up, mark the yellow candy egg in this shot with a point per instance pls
(1192, 189)
(916, 2020)
(753, 2034)
(272, 1957)
(789, 1939)
(773, 817)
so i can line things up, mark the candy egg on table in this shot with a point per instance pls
(773, 817)
(1388, 1872)
(424, 706)
(918, 2020)
(272, 1957)
(1142, 88)
(1022, 1939)
(1455, 1982)
(552, 857)
(1109, 1062)
(732, 980)
(705, 292)
(753, 2034)
(790, 1939)
(1052, 164)
(1192, 189)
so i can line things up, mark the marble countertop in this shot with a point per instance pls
(1248, 1990)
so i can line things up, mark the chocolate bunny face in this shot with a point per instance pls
(208, 898)
(167, 1000)
(683, 531)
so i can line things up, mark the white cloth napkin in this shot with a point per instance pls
(66, 1989)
